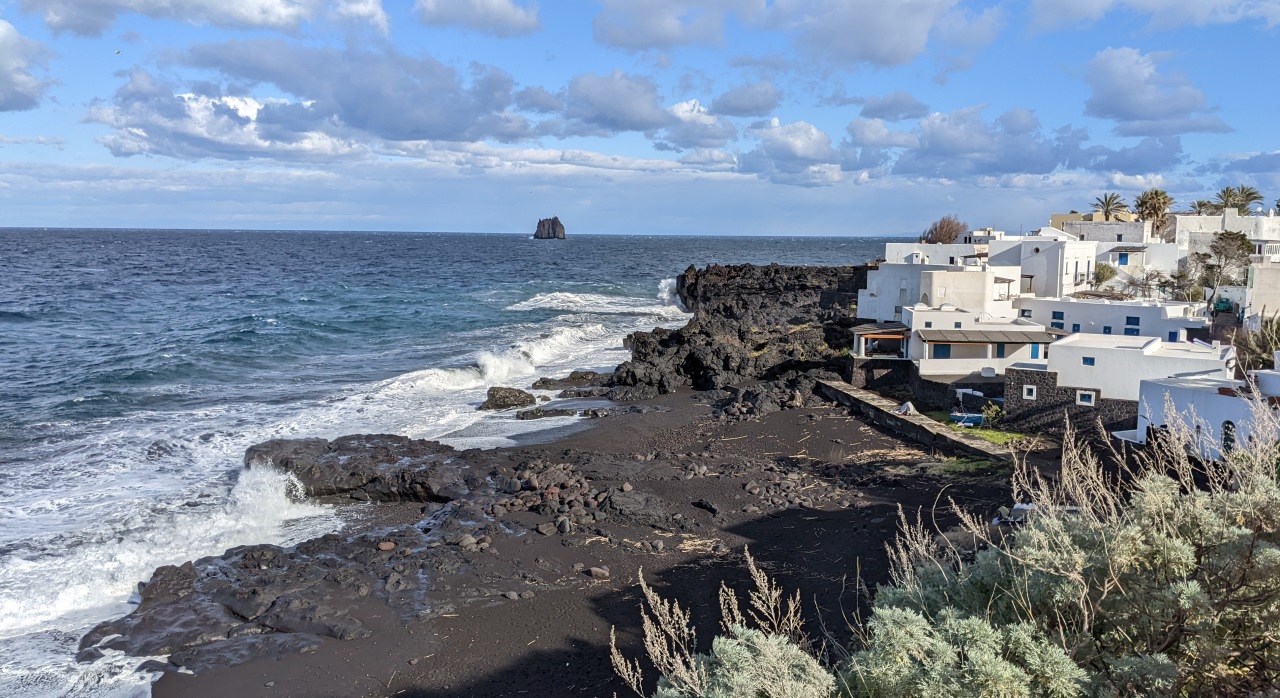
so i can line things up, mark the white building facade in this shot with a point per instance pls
(1114, 367)
(1168, 320)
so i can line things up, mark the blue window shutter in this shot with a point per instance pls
(1106, 329)
(1131, 331)
(942, 351)
(1173, 336)
(1124, 259)
(1035, 351)
(1075, 327)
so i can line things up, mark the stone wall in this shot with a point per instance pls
(1054, 405)
(874, 374)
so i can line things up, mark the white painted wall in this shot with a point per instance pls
(966, 357)
(1129, 232)
(890, 288)
(1155, 318)
(928, 253)
(1120, 364)
(1198, 402)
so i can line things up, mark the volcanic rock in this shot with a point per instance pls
(549, 229)
(500, 398)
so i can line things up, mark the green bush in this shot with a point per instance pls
(1160, 579)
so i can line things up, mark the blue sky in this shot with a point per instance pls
(830, 117)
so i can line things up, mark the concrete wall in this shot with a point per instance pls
(1054, 405)
(927, 253)
(1210, 409)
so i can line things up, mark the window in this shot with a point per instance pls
(1059, 315)
(1124, 259)
(942, 351)
(1228, 437)
(1088, 360)
(928, 324)
(1035, 351)
(1106, 329)
(953, 260)
(1119, 237)
(1131, 331)
(1085, 398)
(1024, 313)
(1173, 336)
(999, 350)
(1057, 325)
(1132, 320)
(957, 325)
(1028, 392)
(1075, 327)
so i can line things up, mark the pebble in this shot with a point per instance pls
(269, 684)
(526, 594)
(626, 487)
(413, 662)
(511, 595)
(386, 545)
(658, 545)
(546, 529)
(600, 572)
(563, 526)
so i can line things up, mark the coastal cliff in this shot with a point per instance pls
(549, 229)
(749, 322)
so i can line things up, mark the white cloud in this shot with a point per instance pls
(845, 32)
(1164, 13)
(695, 127)
(752, 99)
(895, 106)
(150, 119)
(872, 133)
(797, 153)
(646, 24)
(604, 104)
(363, 10)
(19, 88)
(92, 17)
(1129, 89)
(496, 17)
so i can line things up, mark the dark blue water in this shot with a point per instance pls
(136, 366)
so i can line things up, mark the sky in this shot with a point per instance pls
(806, 117)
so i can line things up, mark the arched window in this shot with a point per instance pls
(1228, 437)
(924, 298)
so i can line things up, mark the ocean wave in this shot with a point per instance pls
(597, 304)
(15, 316)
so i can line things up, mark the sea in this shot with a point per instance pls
(136, 366)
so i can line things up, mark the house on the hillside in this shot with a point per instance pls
(1222, 413)
(1168, 320)
(1088, 377)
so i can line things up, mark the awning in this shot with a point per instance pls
(1002, 280)
(893, 329)
(1129, 248)
(987, 337)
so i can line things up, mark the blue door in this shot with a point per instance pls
(942, 351)
(1035, 351)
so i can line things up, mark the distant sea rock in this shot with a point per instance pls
(549, 229)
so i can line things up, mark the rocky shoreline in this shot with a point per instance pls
(716, 440)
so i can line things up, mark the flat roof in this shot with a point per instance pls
(1035, 336)
(1129, 248)
(1139, 343)
(878, 327)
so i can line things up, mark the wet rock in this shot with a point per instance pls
(377, 467)
(542, 413)
(500, 398)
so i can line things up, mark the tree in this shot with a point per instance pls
(1184, 285)
(1228, 256)
(945, 230)
(1103, 273)
(1109, 205)
(1142, 281)
(1241, 198)
(1153, 205)
(1201, 207)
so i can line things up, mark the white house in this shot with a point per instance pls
(1168, 320)
(1113, 367)
(1262, 291)
(1221, 412)
(1127, 232)
(953, 254)
(1045, 267)
(1195, 233)
(952, 341)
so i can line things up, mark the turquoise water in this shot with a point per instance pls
(136, 367)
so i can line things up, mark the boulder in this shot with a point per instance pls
(500, 398)
(541, 413)
(366, 467)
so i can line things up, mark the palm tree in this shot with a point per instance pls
(1153, 205)
(1240, 198)
(1109, 205)
(1201, 207)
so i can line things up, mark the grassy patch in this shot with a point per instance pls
(963, 466)
(995, 436)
